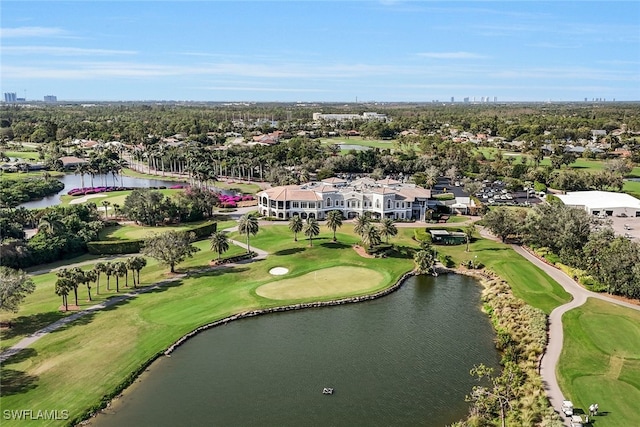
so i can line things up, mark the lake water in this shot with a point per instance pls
(401, 360)
(75, 181)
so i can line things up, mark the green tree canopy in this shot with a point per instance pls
(15, 285)
(170, 248)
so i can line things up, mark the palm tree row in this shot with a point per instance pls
(70, 279)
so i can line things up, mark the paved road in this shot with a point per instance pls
(554, 346)
(26, 342)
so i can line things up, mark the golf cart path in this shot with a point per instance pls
(26, 342)
(554, 346)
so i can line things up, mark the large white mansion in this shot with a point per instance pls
(384, 198)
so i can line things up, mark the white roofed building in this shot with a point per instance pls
(602, 203)
(382, 199)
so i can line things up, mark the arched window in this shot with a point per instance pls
(377, 203)
(388, 204)
(328, 203)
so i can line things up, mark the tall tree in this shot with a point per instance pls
(311, 229)
(15, 285)
(119, 270)
(469, 230)
(361, 223)
(370, 236)
(388, 228)
(334, 221)
(424, 261)
(62, 288)
(248, 225)
(503, 222)
(219, 243)
(296, 225)
(108, 271)
(137, 263)
(99, 267)
(170, 248)
(90, 276)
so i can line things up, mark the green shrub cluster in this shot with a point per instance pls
(380, 250)
(115, 247)
(521, 336)
(204, 230)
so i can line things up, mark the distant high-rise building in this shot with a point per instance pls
(585, 100)
(495, 99)
(50, 98)
(10, 97)
(452, 100)
(466, 99)
(482, 99)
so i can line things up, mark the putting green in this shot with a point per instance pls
(335, 281)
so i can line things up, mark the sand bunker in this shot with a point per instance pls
(85, 198)
(278, 271)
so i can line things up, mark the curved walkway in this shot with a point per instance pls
(26, 342)
(554, 346)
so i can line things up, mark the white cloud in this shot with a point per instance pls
(32, 32)
(451, 55)
(61, 51)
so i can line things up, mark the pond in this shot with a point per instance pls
(72, 181)
(401, 360)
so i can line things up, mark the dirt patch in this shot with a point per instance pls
(362, 251)
(70, 307)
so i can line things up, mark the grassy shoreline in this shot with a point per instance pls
(80, 364)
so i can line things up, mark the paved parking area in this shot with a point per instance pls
(632, 228)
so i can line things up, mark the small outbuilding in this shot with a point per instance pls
(445, 237)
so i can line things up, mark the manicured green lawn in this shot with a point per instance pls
(457, 218)
(125, 232)
(600, 361)
(527, 281)
(322, 283)
(26, 155)
(74, 367)
(632, 187)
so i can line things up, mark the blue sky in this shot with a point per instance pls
(326, 51)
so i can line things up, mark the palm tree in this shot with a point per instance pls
(468, 233)
(78, 278)
(424, 261)
(106, 203)
(119, 270)
(63, 286)
(334, 221)
(51, 224)
(90, 276)
(311, 229)
(370, 236)
(431, 176)
(388, 228)
(219, 243)
(108, 270)
(137, 264)
(362, 221)
(99, 267)
(295, 225)
(248, 224)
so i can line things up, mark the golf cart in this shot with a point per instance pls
(567, 407)
(576, 421)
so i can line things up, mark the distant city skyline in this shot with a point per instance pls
(332, 51)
